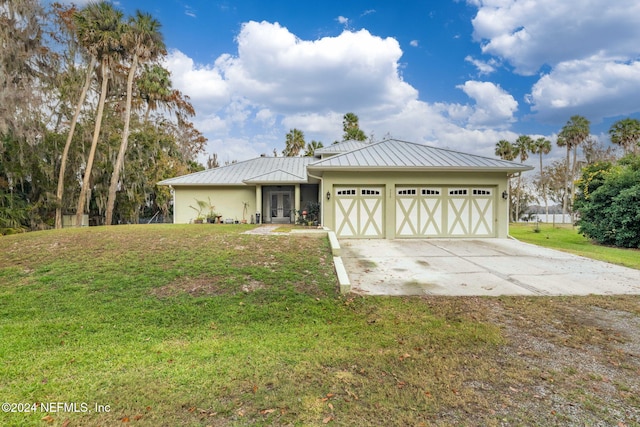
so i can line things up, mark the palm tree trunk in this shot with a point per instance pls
(573, 177)
(67, 145)
(565, 201)
(146, 113)
(115, 176)
(544, 190)
(94, 144)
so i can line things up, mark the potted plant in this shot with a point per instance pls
(211, 217)
(245, 209)
(201, 206)
(310, 216)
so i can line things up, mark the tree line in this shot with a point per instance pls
(572, 181)
(89, 120)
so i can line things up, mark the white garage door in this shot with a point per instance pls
(445, 212)
(419, 212)
(359, 212)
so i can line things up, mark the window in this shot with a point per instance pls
(430, 191)
(481, 192)
(347, 192)
(460, 192)
(407, 192)
(368, 192)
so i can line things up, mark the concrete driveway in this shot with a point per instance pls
(477, 267)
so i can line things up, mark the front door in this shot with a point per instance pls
(280, 206)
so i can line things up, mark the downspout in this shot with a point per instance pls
(509, 177)
(173, 198)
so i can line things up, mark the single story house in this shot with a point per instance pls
(388, 189)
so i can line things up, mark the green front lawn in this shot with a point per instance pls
(200, 325)
(566, 238)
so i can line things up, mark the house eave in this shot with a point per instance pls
(416, 169)
(204, 184)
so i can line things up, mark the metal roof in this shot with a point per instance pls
(341, 147)
(255, 171)
(278, 176)
(390, 154)
(395, 154)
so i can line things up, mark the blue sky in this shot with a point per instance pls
(455, 74)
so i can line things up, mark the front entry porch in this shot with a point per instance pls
(280, 207)
(280, 203)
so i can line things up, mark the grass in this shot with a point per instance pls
(196, 325)
(566, 238)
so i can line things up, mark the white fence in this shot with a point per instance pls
(551, 218)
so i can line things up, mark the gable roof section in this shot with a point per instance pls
(254, 171)
(401, 155)
(276, 177)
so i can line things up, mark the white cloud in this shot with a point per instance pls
(494, 106)
(248, 101)
(341, 19)
(266, 116)
(484, 67)
(532, 33)
(189, 11)
(590, 48)
(210, 124)
(594, 87)
(414, 43)
(353, 71)
(315, 123)
(204, 84)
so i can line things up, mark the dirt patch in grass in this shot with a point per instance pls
(567, 361)
(205, 286)
(194, 286)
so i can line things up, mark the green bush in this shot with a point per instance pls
(609, 203)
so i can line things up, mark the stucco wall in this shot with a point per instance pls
(391, 179)
(227, 202)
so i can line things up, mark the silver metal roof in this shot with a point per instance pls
(256, 171)
(278, 176)
(341, 147)
(392, 154)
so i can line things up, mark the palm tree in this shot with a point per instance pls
(142, 42)
(542, 146)
(294, 143)
(626, 133)
(312, 147)
(521, 149)
(505, 150)
(574, 133)
(67, 145)
(68, 22)
(99, 30)
(351, 128)
(154, 87)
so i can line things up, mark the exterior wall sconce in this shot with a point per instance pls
(328, 195)
(505, 195)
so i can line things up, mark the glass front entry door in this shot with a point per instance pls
(281, 206)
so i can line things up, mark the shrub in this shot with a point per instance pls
(609, 203)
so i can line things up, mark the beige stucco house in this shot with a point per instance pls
(389, 189)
